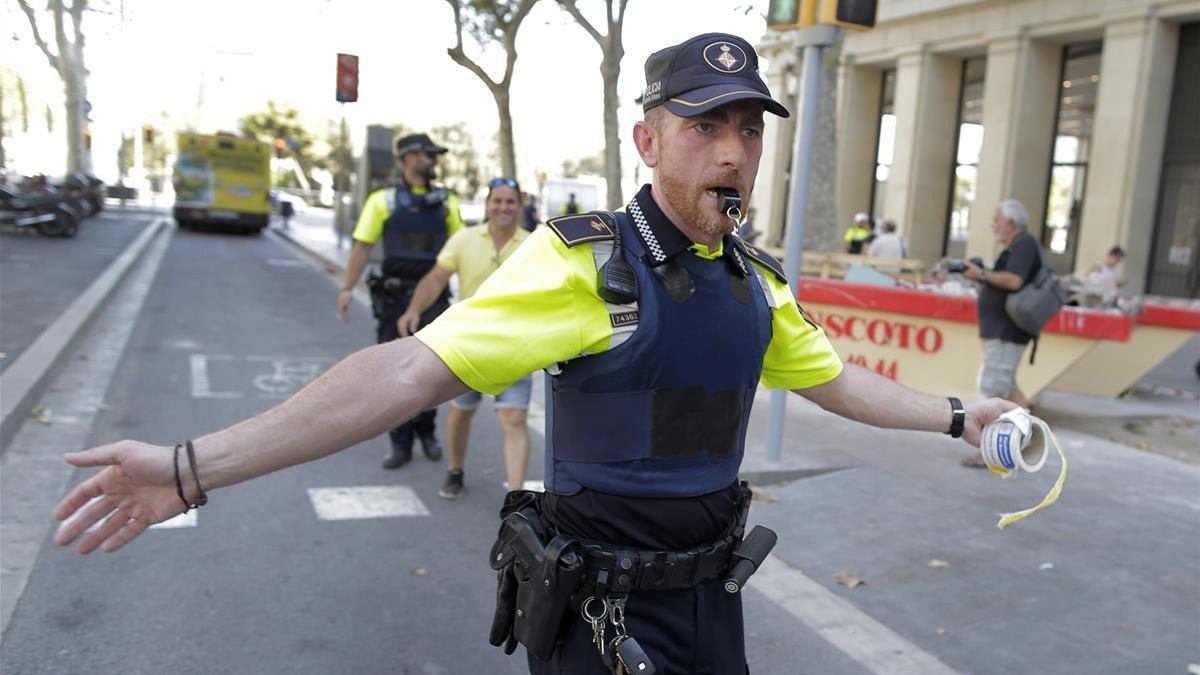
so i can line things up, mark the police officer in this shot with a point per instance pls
(657, 325)
(415, 219)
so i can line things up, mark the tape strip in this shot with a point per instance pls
(1007, 519)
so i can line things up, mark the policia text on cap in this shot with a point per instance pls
(655, 325)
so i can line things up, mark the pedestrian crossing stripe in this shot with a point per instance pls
(182, 520)
(371, 501)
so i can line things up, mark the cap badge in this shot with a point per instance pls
(725, 57)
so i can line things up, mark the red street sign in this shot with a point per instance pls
(347, 78)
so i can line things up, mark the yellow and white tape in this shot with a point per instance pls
(1018, 441)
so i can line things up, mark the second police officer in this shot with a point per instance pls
(414, 218)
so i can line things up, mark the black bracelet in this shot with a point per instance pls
(179, 484)
(201, 498)
(959, 421)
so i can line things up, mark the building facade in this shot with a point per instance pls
(1084, 110)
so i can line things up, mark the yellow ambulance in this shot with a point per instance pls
(222, 180)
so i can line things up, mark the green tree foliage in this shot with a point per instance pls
(68, 62)
(281, 125)
(460, 169)
(592, 165)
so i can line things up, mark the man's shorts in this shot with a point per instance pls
(515, 397)
(998, 374)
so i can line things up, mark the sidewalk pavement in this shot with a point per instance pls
(1105, 580)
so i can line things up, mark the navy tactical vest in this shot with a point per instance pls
(664, 413)
(414, 232)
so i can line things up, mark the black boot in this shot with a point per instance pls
(401, 452)
(433, 449)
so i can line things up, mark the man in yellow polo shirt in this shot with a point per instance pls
(414, 218)
(473, 253)
(656, 325)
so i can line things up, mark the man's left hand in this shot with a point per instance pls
(980, 413)
(973, 272)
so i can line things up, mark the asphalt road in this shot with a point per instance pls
(339, 566)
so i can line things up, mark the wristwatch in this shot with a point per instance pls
(959, 420)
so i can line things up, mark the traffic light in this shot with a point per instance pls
(853, 14)
(347, 78)
(791, 14)
(147, 134)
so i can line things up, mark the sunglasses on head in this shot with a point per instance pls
(504, 182)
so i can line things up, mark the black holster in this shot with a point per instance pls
(386, 291)
(535, 580)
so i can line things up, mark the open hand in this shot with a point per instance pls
(135, 490)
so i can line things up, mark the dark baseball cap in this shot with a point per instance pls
(417, 143)
(704, 72)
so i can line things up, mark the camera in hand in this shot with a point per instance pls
(960, 266)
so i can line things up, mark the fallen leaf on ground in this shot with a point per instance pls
(1143, 445)
(41, 414)
(937, 564)
(420, 572)
(763, 496)
(849, 580)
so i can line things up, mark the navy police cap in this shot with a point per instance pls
(704, 72)
(417, 143)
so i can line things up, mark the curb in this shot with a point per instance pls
(25, 380)
(317, 256)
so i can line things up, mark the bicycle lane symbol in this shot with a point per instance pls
(287, 375)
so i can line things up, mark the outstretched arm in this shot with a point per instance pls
(864, 396)
(364, 395)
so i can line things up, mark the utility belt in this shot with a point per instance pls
(388, 290)
(543, 574)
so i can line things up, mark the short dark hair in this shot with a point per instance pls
(1117, 251)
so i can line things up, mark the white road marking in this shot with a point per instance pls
(372, 501)
(873, 645)
(182, 520)
(201, 387)
(281, 262)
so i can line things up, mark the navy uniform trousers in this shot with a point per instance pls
(689, 631)
(385, 331)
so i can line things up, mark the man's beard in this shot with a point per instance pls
(429, 173)
(688, 208)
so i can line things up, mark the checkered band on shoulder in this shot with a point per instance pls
(643, 228)
(737, 256)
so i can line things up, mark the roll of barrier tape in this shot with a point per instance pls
(1018, 441)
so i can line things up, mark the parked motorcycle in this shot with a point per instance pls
(47, 211)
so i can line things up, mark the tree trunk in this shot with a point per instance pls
(74, 77)
(508, 153)
(610, 70)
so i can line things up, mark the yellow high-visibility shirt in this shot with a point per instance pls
(856, 233)
(378, 207)
(472, 254)
(541, 307)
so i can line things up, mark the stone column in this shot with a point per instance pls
(1132, 105)
(859, 101)
(771, 188)
(918, 186)
(1019, 92)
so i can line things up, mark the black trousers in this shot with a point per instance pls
(695, 630)
(390, 310)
